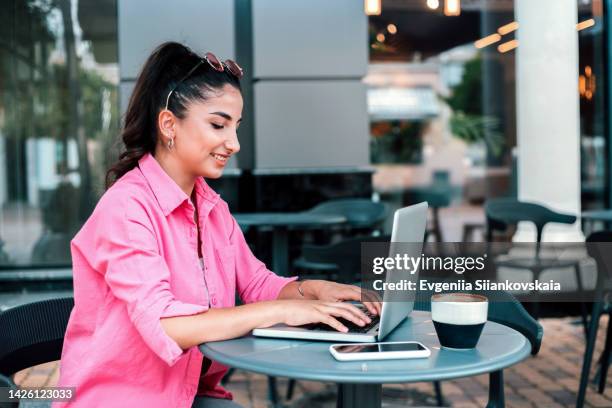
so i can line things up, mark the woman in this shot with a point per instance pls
(158, 263)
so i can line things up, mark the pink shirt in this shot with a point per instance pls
(135, 261)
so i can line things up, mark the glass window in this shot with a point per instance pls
(590, 86)
(442, 100)
(58, 117)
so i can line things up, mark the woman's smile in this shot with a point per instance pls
(220, 158)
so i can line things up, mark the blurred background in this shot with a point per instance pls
(460, 99)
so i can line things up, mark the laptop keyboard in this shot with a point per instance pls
(352, 327)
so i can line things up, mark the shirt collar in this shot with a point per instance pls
(168, 194)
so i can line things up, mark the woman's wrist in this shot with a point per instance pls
(300, 289)
(281, 311)
(308, 289)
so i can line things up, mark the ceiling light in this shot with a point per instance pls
(508, 28)
(452, 7)
(508, 46)
(488, 40)
(433, 4)
(372, 7)
(585, 24)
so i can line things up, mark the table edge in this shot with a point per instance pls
(363, 378)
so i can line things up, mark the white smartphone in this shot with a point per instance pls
(379, 351)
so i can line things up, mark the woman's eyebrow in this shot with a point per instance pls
(224, 115)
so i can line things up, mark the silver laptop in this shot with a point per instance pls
(408, 226)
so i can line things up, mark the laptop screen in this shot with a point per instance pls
(409, 225)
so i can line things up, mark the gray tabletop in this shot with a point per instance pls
(291, 219)
(499, 347)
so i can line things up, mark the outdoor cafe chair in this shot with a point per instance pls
(32, 334)
(502, 213)
(601, 305)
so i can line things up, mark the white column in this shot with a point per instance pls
(548, 112)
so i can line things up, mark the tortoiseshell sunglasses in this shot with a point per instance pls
(216, 64)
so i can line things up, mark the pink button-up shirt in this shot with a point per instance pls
(135, 261)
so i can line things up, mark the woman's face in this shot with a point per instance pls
(206, 137)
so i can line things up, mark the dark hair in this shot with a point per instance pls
(162, 71)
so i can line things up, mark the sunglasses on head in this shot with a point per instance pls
(216, 64)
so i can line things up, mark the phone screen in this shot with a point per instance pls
(379, 348)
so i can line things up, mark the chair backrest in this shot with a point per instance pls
(501, 212)
(441, 178)
(503, 309)
(33, 333)
(359, 212)
(598, 247)
(344, 254)
(436, 197)
(8, 383)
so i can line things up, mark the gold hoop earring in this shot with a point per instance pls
(170, 143)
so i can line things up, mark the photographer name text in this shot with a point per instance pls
(462, 285)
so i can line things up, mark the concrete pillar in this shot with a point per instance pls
(310, 102)
(548, 135)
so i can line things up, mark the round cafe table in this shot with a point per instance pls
(280, 223)
(360, 382)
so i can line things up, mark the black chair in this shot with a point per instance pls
(339, 261)
(598, 247)
(436, 197)
(33, 334)
(502, 213)
(503, 309)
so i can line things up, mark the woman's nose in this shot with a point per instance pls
(232, 144)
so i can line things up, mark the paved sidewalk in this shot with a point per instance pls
(548, 380)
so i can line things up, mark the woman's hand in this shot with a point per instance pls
(338, 292)
(299, 312)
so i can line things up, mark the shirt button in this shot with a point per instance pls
(214, 300)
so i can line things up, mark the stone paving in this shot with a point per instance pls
(547, 380)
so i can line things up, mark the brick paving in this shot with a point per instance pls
(547, 380)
